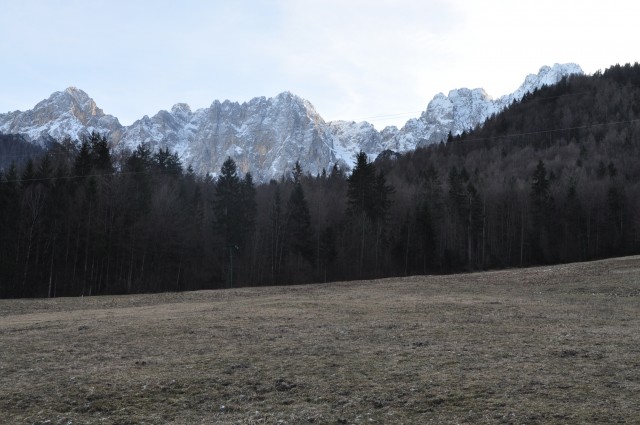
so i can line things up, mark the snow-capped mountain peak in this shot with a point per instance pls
(69, 113)
(181, 109)
(548, 75)
(266, 135)
(463, 109)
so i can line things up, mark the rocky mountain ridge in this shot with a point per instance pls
(266, 135)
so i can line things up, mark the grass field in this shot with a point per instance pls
(542, 345)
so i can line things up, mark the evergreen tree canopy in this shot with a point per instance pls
(553, 178)
(299, 223)
(234, 205)
(361, 193)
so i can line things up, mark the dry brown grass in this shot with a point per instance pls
(542, 345)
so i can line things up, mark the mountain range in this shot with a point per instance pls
(266, 135)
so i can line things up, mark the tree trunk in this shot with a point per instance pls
(53, 251)
(130, 277)
(361, 262)
(521, 237)
(26, 261)
(406, 252)
(484, 231)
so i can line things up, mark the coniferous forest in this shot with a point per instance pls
(554, 178)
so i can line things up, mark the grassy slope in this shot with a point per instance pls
(542, 345)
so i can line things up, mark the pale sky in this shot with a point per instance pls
(376, 60)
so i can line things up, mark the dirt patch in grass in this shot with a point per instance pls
(541, 345)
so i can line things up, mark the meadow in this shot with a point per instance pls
(558, 344)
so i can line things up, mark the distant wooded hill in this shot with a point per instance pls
(554, 178)
(14, 149)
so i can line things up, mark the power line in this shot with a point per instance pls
(506, 136)
(387, 116)
(381, 116)
(239, 130)
(554, 130)
(411, 113)
(116, 174)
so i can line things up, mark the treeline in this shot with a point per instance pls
(14, 149)
(554, 178)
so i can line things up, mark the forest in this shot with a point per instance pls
(554, 178)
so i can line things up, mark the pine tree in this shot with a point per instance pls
(360, 194)
(101, 154)
(234, 208)
(328, 250)
(248, 202)
(167, 163)
(297, 172)
(429, 212)
(83, 164)
(542, 213)
(140, 160)
(10, 198)
(276, 235)
(299, 224)
(29, 174)
(361, 189)
(44, 171)
(227, 204)
(368, 202)
(540, 194)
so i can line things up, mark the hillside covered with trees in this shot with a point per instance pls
(554, 178)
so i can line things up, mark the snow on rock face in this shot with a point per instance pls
(347, 138)
(463, 109)
(545, 77)
(71, 113)
(266, 135)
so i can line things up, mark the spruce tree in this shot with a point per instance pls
(29, 174)
(299, 224)
(82, 164)
(248, 204)
(101, 154)
(361, 189)
(368, 202)
(540, 194)
(140, 160)
(167, 163)
(227, 204)
(277, 235)
(327, 250)
(542, 213)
